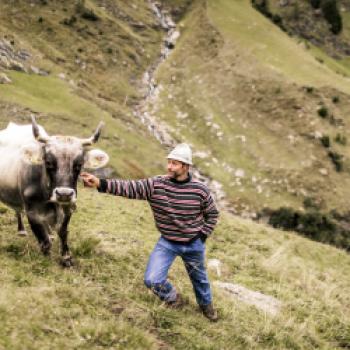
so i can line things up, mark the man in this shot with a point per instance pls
(185, 215)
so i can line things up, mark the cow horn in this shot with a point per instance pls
(36, 131)
(94, 138)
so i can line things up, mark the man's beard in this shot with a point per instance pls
(173, 174)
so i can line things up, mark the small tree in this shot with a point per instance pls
(331, 14)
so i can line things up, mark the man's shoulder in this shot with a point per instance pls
(196, 183)
(199, 183)
(160, 178)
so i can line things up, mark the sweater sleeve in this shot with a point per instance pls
(211, 214)
(133, 189)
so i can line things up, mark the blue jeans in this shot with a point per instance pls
(162, 257)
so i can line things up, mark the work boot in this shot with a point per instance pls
(178, 303)
(209, 312)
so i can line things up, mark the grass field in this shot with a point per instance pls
(102, 303)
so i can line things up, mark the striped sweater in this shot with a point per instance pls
(182, 210)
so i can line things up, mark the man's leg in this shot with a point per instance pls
(194, 260)
(157, 271)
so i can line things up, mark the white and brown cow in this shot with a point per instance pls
(38, 175)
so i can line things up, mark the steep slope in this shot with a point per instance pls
(102, 302)
(247, 96)
(88, 70)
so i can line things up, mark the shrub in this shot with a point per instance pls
(312, 203)
(69, 21)
(285, 218)
(90, 15)
(315, 3)
(323, 112)
(314, 224)
(309, 89)
(325, 140)
(335, 99)
(263, 7)
(84, 12)
(337, 160)
(331, 14)
(341, 139)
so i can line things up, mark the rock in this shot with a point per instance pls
(323, 171)
(201, 154)
(215, 264)
(4, 79)
(4, 62)
(18, 66)
(34, 70)
(261, 301)
(239, 173)
(317, 134)
(62, 76)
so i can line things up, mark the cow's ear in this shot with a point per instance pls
(32, 155)
(95, 159)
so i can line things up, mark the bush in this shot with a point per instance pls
(316, 225)
(337, 160)
(321, 227)
(84, 12)
(315, 3)
(263, 7)
(285, 218)
(309, 89)
(325, 140)
(312, 203)
(90, 15)
(69, 21)
(323, 112)
(335, 99)
(341, 139)
(331, 14)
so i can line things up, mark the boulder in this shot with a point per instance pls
(4, 79)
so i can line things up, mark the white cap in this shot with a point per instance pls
(182, 152)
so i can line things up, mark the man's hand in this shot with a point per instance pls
(90, 180)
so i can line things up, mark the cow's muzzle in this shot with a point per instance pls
(63, 195)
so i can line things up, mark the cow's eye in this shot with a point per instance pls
(50, 165)
(77, 166)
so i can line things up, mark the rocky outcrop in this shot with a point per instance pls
(12, 58)
(4, 79)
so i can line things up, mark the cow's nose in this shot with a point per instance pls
(64, 194)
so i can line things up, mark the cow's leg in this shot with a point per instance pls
(67, 260)
(40, 232)
(20, 228)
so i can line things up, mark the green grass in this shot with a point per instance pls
(102, 303)
(248, 83)
(276, 51)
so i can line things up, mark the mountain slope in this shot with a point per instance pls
(249, 104)
(102, 302)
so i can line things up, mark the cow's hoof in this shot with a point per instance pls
(22, 233)
(46, 248)
(67, 261)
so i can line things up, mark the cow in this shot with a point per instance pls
(39, 175)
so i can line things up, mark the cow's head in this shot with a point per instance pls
(62, 158)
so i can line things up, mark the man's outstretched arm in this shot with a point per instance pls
(133, 189)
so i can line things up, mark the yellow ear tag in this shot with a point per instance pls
(33, 157)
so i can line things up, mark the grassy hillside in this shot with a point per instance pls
(101, 62)
(102, 303)
(248, 97)
(249, 101)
